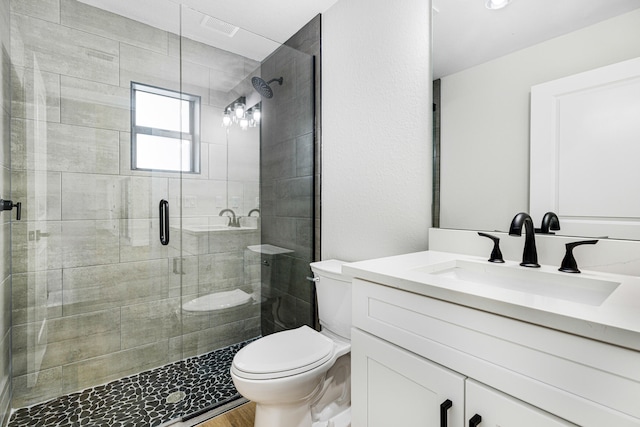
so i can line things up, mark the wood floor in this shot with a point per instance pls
(242, 416)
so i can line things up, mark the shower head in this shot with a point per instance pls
(263, 87)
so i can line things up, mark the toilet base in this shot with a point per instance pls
(297, 416)
(343, 419)
(294, 415)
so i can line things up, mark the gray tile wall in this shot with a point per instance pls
(290, 197)
(5, 235)
(86, 256)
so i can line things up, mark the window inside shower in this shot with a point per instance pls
(165, 128)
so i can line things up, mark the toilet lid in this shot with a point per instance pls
(283, 354)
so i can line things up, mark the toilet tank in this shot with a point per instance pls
(334, 297)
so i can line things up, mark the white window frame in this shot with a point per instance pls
(192, 132)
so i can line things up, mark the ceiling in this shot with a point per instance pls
(264, 24)
(465, 33)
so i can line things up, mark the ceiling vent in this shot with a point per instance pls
(219, 26)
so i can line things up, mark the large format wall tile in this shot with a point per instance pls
(39, 192)
(37, 387)
(220, 272)
(89, 335)
(66, 149)
(24, 82)
(149, 322)
(107, 286)
(279, 160)
(5, 134)
(89, 196)
(95, 105)
(28, 253)
(294, 197)
(25, 288)
(48, 10)
(221, 61)
(147, 67)
(58, 49)
(139, 240)
(90, 243)
(141, 196)
(201, 342)
(5, 67)
(5, 250)
(195, 80)
(77, 376)
(5, 315)
(83, 17)
(304, 155)
(183, 280)
(5, 374)
(201, 195)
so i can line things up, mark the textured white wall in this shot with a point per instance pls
(485, 120)
(376, 96)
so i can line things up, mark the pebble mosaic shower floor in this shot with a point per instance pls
(151, 398)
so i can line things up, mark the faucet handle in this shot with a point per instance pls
(569, 264)
(496, 254)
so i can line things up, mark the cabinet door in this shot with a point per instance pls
(498, 409)
(394, 387)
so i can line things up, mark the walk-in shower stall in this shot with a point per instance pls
(167, 206)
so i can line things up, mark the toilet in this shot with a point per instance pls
(301, 377)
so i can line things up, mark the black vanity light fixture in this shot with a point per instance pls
(237, 113)
(496, 4)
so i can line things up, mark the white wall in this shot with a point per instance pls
(376, 96)
(485, 120)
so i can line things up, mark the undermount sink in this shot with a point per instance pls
(574, 288)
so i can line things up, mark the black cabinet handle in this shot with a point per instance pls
(475, 420)
(164, 222)
(444, 407)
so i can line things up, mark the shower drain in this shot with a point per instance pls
(176, 397)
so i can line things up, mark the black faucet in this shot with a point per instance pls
(550, 221)
(233, 220)
(529, 255)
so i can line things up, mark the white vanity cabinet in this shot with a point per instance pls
(411, 353)
(394, 387)
(493, 408)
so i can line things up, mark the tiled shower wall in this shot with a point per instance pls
(95, 295)
(290, 150)
(5, 235)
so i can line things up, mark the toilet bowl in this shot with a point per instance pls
(302, 377)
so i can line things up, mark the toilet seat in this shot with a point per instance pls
(283, 354)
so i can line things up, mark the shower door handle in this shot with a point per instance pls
(164, 222)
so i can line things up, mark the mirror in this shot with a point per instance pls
(487, 61)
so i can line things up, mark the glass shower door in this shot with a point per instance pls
(138, 262)
(95, 296)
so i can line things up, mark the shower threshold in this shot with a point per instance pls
(177, 394)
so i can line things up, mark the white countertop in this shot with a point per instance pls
(616, 320)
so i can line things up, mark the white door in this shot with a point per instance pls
(394, 387)
(584, 151)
